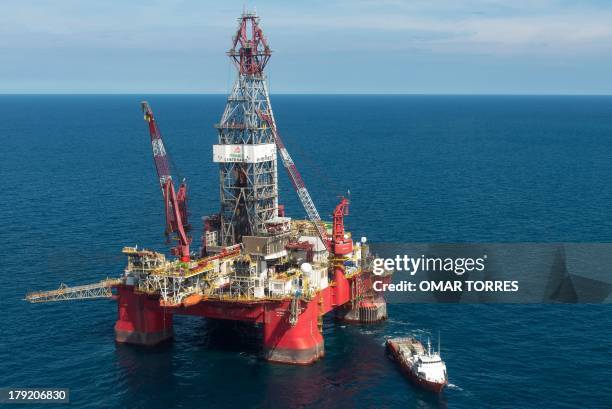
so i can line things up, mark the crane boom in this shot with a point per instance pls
(297, 181)
(175, 203)
(162, 165)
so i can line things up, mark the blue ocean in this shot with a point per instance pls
(78, 184)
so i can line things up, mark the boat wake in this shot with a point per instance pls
(398, 322)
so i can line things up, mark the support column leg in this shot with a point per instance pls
(342, 287)
(370, 309)
(366, 305)
(300, 344)
(141, 320)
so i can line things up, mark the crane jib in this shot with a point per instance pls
(175, 203)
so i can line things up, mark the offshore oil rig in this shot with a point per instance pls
(254, 263)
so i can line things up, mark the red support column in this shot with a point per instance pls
(367, 305)
(372, 308)
(141, 320)
(301, 344)
(342, 287)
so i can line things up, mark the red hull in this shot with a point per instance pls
(430, 386)
(142, 320)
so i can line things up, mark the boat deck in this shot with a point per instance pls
(411, 344)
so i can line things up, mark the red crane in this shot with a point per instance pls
(341, 245)
(175, 203)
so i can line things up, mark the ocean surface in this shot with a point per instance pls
(78, 183)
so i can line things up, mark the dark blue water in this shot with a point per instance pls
(78, 184)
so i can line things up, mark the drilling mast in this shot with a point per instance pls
(246, 152)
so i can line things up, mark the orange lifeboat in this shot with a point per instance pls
(193, 299)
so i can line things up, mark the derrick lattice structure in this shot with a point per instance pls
(246, 152)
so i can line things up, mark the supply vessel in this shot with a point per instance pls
(422, 366)
(254, 262)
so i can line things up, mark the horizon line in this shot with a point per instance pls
(301, 93)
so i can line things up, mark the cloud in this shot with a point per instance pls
(468, 26)
(477, 27)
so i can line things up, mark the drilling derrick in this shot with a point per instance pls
(246, 152)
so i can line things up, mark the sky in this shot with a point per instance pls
(343, 46)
